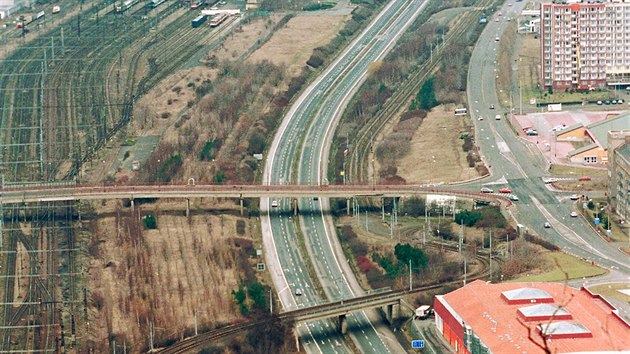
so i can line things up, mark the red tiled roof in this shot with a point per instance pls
(498, 325)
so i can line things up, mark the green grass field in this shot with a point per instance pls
(574, 268)
(611, 290)
(566, 170)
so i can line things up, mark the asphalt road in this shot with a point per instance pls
(315, 111)
(521, 165)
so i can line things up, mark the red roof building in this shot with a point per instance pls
(523, 318)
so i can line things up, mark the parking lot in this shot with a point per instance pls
(539, 128)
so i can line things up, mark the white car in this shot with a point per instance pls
(574, 214)
(547, 225)
(575, 197)
(497, 117)
(513, 197)
(486, 190)
(298, 292)
(480, 118)
(274, 204)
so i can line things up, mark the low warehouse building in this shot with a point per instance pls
(482, 317)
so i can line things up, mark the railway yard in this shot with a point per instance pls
(145, 107)
(68, 85)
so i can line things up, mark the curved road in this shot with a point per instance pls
(521, 164)
(320, 104)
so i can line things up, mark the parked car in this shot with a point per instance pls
(513, 197)
(274, 204)
(480, 118)
(547, 225)
(600, 103)
(497, 117)
(491, 106)
(486, 190)
(575, 197)
(531, 132)
(505, 190)
(298, 292)
(574, 214)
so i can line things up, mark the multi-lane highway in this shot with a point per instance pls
(521, 164)
(316, 111)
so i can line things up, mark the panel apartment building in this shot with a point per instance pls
(585, 44)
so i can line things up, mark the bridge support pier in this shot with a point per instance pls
(297, 339)
(187, 207)
(295, 207)
(132, 204)
(343, 324)
(348, 206)
(391, 313)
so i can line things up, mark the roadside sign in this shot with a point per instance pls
(596, 221)
(417, 344)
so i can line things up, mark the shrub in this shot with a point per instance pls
(470, 158)
(364, 264)
(256, 292)
(240, 227)
(425, 99)
(468, 144)
(405, 253)
(150, 222)
(468, 218)
(315, 61)
(539, 241)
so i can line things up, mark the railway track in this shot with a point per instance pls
(202, 340)
(38, 292)
(359, 170)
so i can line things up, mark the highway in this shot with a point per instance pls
(315, 111)
(521, 164)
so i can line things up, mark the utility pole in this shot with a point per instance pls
(410, 282)
(270, 301)
(196, 326)
(366, 221)
(391, 226)
(461, 237)
(520, 98)
(490, 254)
(382, 209)
(465, 270)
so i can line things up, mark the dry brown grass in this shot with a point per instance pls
(244, 37)
(436, 153)
(163, 275)
(292, 45)
(529, 60)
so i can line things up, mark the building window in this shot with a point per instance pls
(590, 159)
